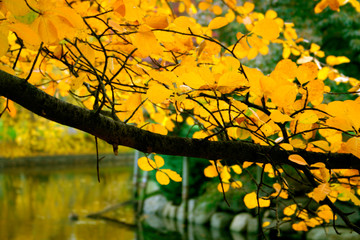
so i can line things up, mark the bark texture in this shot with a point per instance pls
(118, 133)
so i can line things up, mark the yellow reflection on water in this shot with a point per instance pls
(37, 204)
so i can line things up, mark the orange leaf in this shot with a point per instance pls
(320, 192)
(218, 22)
(172, 175)
(297, 159)
(157, 93)
(210, 171)
(146, 164)
(251, 201)
(162, 178)
(290, 210)
(226, 187)
(159, 161)
(307, 72)
(267, 28)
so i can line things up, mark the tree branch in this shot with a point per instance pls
(118, 133)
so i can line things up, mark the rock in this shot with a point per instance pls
(170, 225)
(330, 234)
(221, 220)
(203, 212)
(220, 234)
(237, 236)
(154, 204)
(240, 222)
(155, 222)
(172, 212)
(166, 211)
(191, 208)
(201, 232)
(252, 226)
(180, 213)
(151, 187)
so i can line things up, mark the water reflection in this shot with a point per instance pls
(41, 203)
(36, 204)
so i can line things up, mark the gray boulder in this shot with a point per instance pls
(240, 222)
(221, 220)
(154, 204)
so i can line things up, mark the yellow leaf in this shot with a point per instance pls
(157, 128)
(159, 161)
(157, 93)
(17, 7)
(287, 146)
(237, 169)
(300, 226)
(132, 11)
(320, 192)
(146, 164)
(159, 21)
(324, 145)
(146, 42)
(218, 22)
(224, 187)
(232, 79)
(76, 82)
(11, 109)
(332, 60)
(172, 175)
(162, 178)
(287, 68)
(251, 201)
(277, 116)
(247, 164)
(46, 29)
(346, 194)
(270, 14)
(27, 34)
(307, 72)
(265, 224)
(192, 79)
(353, 146)
(284, 95)
(4, 44)
(217, 10)
(325, 213)
(308, 117)
(236, 184)
(323, 73)
(290, 210)
(204, 6)
(297, 159)
(280, 191)
(267, 28)
(210, 171)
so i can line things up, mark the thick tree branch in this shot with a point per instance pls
(118, 133)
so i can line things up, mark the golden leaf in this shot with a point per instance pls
(210, 171)
(277, 116)
(297, 159)
(307, 72)
(172, 175)
(159, 161)
(218, 22)
(290, 210)
(146, 164)
(162, 177)
(157, 93)
(267, 28)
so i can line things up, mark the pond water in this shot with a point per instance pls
(39, 204)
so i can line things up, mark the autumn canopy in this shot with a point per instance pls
(130, 72)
